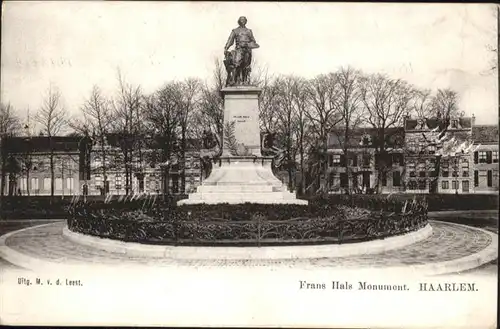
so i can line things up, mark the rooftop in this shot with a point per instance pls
(394, 138)
(432, 123)
(485, 134)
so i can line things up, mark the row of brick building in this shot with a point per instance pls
(472, 167)
(410, 163)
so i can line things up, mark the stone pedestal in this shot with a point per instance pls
(242, 175)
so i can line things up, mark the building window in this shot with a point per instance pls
(383, 178)
(354, 160)
(69, 183)
(98, 181)
(476, 178)
(494, 156)
(411, 169)
(396, 178)
(490, 178)
(412, 185)
(422, 184)
(59, 184)
(34, 184)
(24, 183)
(431, 149)
(366, 160)
(46, 184)
(355, 181)
(336, 160)
(343, 180)
(446, 173)
(455, 185)
(465, 186)
(445, 163)
(455, 173)
(118, 182)
(465, 168)
(331, 179)
(397, 159)
(483, 156)
(421, 174)
(445, 185)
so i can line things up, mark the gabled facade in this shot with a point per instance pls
(485, 159)
(28, 167)
(357, 170)
(108, 170)
(428, 167)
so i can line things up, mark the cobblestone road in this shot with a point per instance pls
(447, 242)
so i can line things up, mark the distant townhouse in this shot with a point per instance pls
(108, 169)
(28, 167)
(485, 159)
(427, 170)
(357, 170)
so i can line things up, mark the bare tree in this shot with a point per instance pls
(422, 103)
(210, 112)
(444, 105)
(189, 101)
(268, 106)
(163, 114)
(9, 127)
(98, 117)
(127, 112)
(386, 103)
(300, 98)
(349, 110)
(52, 118)
(289, 108)
(323, 93)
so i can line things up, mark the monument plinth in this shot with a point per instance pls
(242, 174)
(241, 109)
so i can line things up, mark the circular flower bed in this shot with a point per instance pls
(245, 224)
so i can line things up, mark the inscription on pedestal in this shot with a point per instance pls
(241, 118)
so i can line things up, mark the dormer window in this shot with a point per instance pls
(366, 140)
(421, 124)
(454, 124)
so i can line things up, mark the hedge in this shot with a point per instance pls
(246, 224)
(42, 207)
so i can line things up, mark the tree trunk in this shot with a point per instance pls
(52, 175)
(103, 156)
(28, 182)
(433, 181)
(183, 160)
(302, 171)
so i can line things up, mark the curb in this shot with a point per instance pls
(249, 253)
(20, 259)
(482, 257)
(431, 269)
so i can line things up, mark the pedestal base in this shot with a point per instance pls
(241, 180)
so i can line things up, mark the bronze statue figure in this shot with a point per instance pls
(268, 149)
(238, 61)
(210, 151)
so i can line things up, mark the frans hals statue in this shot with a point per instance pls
(237, 61)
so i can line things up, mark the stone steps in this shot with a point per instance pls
(238, 188)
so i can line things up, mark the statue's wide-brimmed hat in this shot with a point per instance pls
(253, 45)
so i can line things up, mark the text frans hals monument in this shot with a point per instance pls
(242, 173)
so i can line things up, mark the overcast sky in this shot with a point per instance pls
(75, 45)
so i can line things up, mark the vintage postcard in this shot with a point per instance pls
(250, 164)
